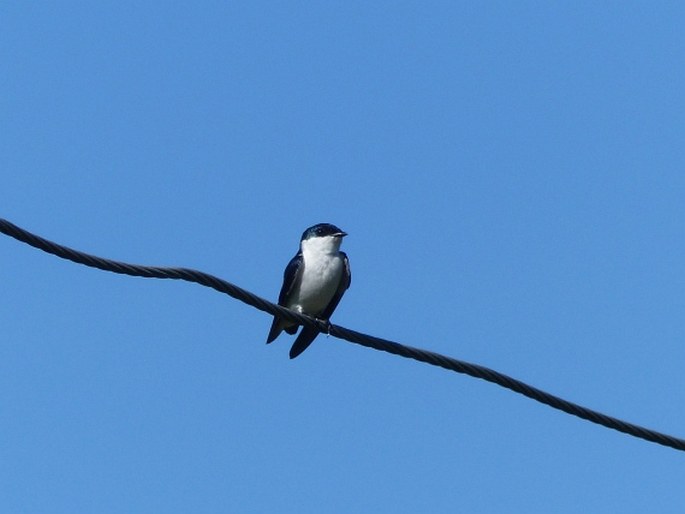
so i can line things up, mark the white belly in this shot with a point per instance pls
(320, 280)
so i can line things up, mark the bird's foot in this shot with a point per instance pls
(328, 325)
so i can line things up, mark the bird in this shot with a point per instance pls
(314, 281)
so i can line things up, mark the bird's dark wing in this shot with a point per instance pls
(291, 276)
(345, 282)
(309, 334)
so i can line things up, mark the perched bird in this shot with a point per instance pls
(313, 283)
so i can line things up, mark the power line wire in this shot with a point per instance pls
(432, 358)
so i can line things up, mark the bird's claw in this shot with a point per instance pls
(328, 325)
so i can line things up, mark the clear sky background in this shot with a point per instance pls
(511, 175)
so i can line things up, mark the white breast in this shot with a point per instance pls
(323, 269)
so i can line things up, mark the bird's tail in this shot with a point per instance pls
(303, 341)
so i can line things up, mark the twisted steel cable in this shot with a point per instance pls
(432, 358)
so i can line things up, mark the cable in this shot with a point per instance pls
(432, 358)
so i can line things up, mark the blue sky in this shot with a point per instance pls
(511, 177)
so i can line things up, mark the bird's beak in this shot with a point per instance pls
(341, 234)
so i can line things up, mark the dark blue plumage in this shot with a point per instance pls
(314, 281)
